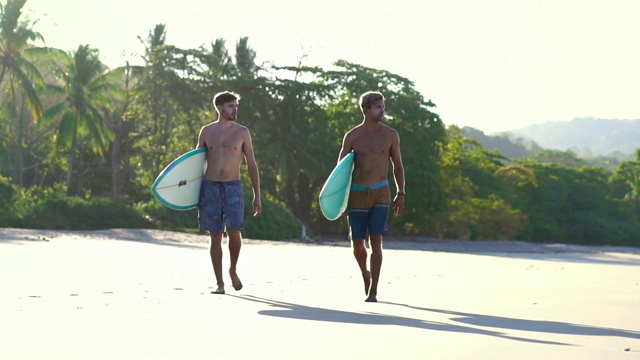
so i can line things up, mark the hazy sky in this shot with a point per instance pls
(491, 64)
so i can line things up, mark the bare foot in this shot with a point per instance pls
(235, 280)
(366, 276)
(371, 298)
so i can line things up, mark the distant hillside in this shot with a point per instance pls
(506, 144)
(585, 137)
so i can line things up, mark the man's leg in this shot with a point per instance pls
(235, 243)
(375, 241)
(215, 251)
(360, 253)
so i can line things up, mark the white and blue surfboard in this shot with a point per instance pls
(178, 185)
(334, 195)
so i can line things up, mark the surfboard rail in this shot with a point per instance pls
(334, 195)
(178, 184)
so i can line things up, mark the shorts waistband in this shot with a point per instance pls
(223, 183)
(370, 187)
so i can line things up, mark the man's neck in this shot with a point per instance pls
(370, 122)
(224, 122)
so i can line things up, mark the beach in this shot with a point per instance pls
(145, 294)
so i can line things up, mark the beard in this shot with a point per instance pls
(229, 116)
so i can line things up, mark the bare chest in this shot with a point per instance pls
(225, 142)
(371, 146)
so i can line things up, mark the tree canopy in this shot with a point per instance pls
(69, 122)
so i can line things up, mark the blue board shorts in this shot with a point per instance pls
(221, 204)
(368, 210)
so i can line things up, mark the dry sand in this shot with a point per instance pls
(145, 294)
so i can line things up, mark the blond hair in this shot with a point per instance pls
(369, 98)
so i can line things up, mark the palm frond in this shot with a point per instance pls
(53, 113)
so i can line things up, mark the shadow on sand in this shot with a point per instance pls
(540, 326)
(310, 313)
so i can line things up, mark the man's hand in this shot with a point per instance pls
(398, 205)
(257, 207)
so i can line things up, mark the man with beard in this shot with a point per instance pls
(374, 144)
(221, 205)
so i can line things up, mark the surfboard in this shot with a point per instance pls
(334, 195)
(178, 185)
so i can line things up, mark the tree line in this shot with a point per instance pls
(73, 126)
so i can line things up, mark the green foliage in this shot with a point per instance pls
(165, 218)
(589, 228)
(503, 143)
(7, 198)
(130, 122)
(19, 80)
(477, 208)
(50, 208)
(574, 205)
(275, 223)
(84, 87)
(565, 158)
(482, 219)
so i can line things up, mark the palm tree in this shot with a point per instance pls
(17, 74)
(123, 124)
(158, 106)
(85, 86)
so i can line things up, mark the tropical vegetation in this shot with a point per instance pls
(81, 144)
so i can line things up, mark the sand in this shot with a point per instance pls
(145, 294)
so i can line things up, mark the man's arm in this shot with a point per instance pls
(254, 175)
(346, 146)
(398, 174)
(201, 141)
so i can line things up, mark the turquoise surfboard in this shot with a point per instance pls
(178, 185)
(334, 195)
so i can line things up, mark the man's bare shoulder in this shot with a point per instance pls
(209, 126)
(355, 130)
(242, 127)
(389, 129)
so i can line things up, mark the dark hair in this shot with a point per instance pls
(224, 97)
(369, 98)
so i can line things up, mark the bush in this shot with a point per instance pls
(168, 219)
(275, 223)
(49, 208)
(587, 228)
(7, 198)
(483, 219)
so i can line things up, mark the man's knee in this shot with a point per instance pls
(216, 238)
(234, 235)
(375, 242)
(358, 243)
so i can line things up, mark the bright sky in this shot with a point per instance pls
(495, 65)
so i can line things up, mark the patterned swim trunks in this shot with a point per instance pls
(368, 210)
(221, 204)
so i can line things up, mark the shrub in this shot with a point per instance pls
(275, 223)
(168, 219)
(7, 198)
(49, 208)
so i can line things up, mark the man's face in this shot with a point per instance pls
(229, 110)
(376, 111)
